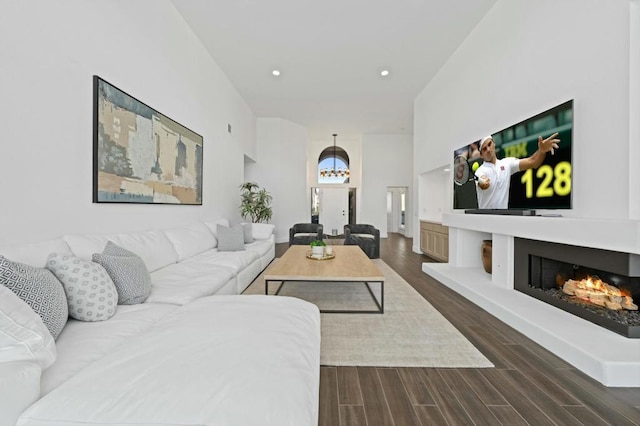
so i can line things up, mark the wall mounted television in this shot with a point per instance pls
(547, 187)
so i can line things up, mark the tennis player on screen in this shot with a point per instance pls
(494, 176)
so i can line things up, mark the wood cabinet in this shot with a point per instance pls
(434, 240)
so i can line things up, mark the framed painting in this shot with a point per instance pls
(140, 155)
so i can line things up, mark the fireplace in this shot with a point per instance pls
(600, 286)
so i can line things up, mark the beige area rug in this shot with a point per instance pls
(410, 333)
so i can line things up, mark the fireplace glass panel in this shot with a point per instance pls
(593, 292)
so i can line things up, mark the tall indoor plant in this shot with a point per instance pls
(255, 202)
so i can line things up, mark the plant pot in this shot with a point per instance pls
(487, 247)
(317, 251)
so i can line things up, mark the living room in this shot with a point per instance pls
(556, 51)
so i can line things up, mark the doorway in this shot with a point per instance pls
(397, 209)
(333, 208)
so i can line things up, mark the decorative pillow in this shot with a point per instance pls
(128, 272)
(40, 290)
(369, 236)
(190, 240)
(248, 233)
(90, 292)
(230, 239)
(262, 231)
(213, 226)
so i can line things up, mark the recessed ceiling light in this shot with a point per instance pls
(384, 73)
(275, 72)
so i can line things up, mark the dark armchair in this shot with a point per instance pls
(365, 236)
(304, 233)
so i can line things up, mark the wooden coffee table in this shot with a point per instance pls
(350, 265)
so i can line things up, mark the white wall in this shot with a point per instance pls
(526, 56)
(386, 161)
(280, 168)
(49, 52)
(634, 106)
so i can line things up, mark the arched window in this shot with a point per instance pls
(333, 165)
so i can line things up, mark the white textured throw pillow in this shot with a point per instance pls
(230, 239)
(128, 272)
(90, 292)
(262, 231)
(39, 289)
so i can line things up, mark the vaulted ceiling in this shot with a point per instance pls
(330, 55)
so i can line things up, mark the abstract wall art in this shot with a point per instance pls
(141, 155)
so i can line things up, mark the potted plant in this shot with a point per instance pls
(317, 248)
(255, 202)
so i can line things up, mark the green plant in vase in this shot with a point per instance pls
(317, 248)
(255, 202)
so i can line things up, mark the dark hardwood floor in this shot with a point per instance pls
(528, 386)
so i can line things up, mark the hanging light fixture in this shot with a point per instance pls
(335, 172)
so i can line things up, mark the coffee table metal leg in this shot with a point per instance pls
(380, 304)
(266, 287)
(279, 288)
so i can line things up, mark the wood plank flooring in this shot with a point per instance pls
(528, 386)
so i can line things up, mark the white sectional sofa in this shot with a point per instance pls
(193, 353)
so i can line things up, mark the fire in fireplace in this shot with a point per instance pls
(600, 286)
(594, 290)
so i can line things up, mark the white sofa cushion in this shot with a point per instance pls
(19, 388)
(82, 343)
(23, 335)
(262, 231)
(261, 247)
(39, 289)
(128, 272)
(185, 282)
(234, 260)
(91, 294)
(152, 246)
(228, 352)
(35, 254)
(191, 239)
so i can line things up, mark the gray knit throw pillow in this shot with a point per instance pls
(128, 272)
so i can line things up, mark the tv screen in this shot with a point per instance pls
(547, 186)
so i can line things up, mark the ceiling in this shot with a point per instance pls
(330, 54)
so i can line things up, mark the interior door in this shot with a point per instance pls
(334, 209)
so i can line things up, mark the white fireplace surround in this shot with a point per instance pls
(609, 358)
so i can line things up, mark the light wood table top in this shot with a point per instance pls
(349, 264)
